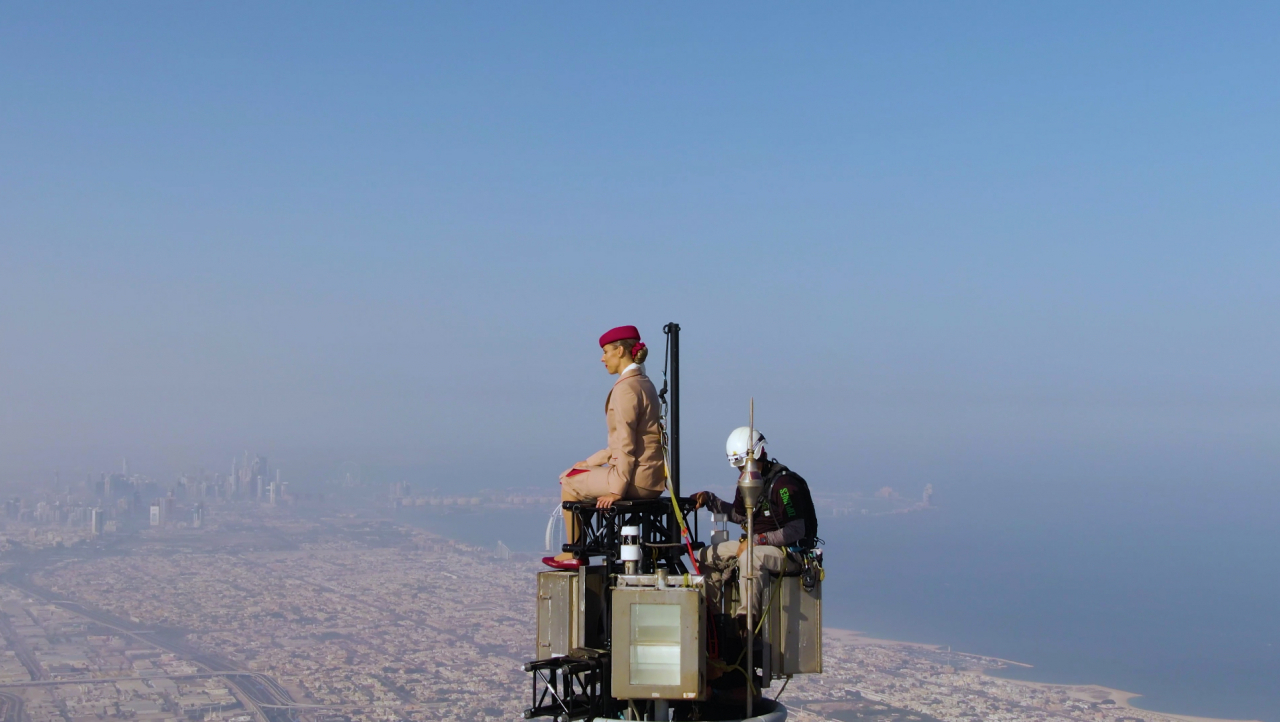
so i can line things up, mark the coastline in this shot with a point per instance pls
(1087, 692)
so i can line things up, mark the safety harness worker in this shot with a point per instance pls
(632, 466)
(785, 523)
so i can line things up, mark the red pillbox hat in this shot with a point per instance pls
(619, 334)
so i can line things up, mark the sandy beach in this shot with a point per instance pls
(1089, 692)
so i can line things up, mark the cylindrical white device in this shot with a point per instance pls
(630, 551)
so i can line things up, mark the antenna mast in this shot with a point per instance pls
(750, 484)
(673, 432)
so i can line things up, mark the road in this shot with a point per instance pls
(20, 648)
(11, 709)
(266, 699)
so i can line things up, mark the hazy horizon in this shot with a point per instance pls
(955, 245)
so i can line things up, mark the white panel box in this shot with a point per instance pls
(658, 644)
(793, 629)
(569, 611)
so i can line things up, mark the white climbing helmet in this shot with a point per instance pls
(736, 447)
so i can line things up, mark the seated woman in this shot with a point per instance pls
(632, 467)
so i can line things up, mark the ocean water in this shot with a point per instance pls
(1175, 596)
(519, 529)
(1172, 595)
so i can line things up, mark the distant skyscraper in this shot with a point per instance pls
(197, 516)
(928, 495)
(155, 513)
(502, 551)
(400, 490)
(124, 467)
(250, 476)
(115, 485)
(97, 521)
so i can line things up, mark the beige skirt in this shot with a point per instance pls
(595, 484)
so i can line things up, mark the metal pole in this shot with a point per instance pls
(751, 629)
(674, 330)
(751, 485)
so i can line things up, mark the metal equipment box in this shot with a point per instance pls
(569, 614)
(793, 628)
(658, 644)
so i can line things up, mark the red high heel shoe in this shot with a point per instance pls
(567, 564)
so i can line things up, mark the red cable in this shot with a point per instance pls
(689, 545)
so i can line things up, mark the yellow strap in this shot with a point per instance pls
(666, 469)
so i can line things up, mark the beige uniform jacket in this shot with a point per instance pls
(632, 413)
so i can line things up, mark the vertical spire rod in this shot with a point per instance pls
(751, 571)
(673, 332)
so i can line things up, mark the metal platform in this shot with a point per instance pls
(572, 687)
(659, 532)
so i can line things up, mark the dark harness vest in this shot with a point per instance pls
(803, 504)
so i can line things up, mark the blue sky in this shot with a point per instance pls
(931, 240)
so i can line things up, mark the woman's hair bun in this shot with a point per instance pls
(639, 352)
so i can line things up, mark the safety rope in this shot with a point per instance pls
(666, 461)
(675, 503)
(737, 665)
